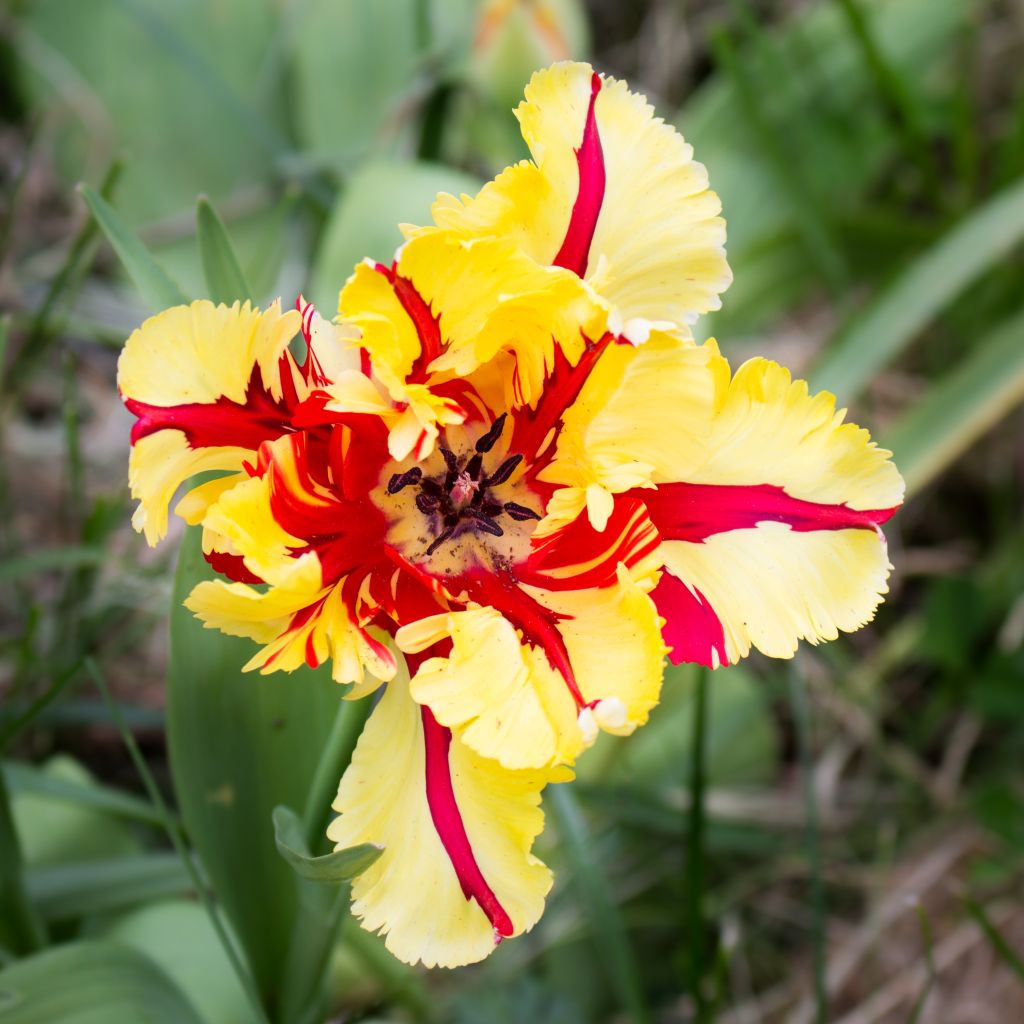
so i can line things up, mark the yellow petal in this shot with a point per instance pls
(658, 242)
(202, 352)
(640, 411)
(768, 429)
(502, 697)
(772, 586)
(159, 464)
(413, 894)
(613, 638)
(493, 299)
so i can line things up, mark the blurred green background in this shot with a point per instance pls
(838, 838)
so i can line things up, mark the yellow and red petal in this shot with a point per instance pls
(612, 193)
(500, 695)
(208, 384)
(492, 299)
(771, 530)
(637, 411)
(457, 874)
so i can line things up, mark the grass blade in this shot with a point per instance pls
(153, 282)
(221, 268)
(995, 938)
(809, 218)
(894, 96)
(607, 928)
(695, 851)
(962, 406)
(812, 841)
(898, 314)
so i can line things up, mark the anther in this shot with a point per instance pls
(474, 466)
(400, 480)
(440, 539)
(518, 512)
(504, 471)
(485, 522)
(450, 460)
(487, 441)
(427, 503)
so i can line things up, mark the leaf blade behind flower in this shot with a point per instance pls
(339, 866)
(223, 273)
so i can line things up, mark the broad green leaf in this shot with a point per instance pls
(91, 983)
(178, 937)
(64, 891)
(897, 315)
(340, 866)
(55, 830)
(364, 223)
(152, 281)
(20, 928)
(355, 68)
(962, 406)
(175, 86)
(224, 277)
(240, 744)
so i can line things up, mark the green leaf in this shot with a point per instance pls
(153, 282)
(20, 928)
(25, 780)
(339, 866)
(364, 223)
(181, 87)
(91, 983)
(355, 66)
(67, 891)
(240, 744)
(898, 314)
(178, 937)
(592, 890)
(961, 407)
(50, 559)
(224, 276)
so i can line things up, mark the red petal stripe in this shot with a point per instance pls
(575, 250)
(692, 629)
(450, 828)
(692, 512)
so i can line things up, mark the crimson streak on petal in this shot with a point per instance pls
(450, 828)
(691, 512)
(575, 250)
(692, 629)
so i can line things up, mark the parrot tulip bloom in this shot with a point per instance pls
(504, 484)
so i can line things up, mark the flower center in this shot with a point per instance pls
(451, 502)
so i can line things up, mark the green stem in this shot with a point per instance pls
(812, 840)
(341, 744)
(695, 851)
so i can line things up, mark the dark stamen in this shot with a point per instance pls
(427, 503)
(504, 471)
(400, 480)
(431, 487)
(486, 523)
(487, 441)
(450, 460)
(520, 513)
(440, 539)
(474, 466)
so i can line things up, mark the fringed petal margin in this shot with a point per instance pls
(612, 193)
(208, 384)
(456, 875)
